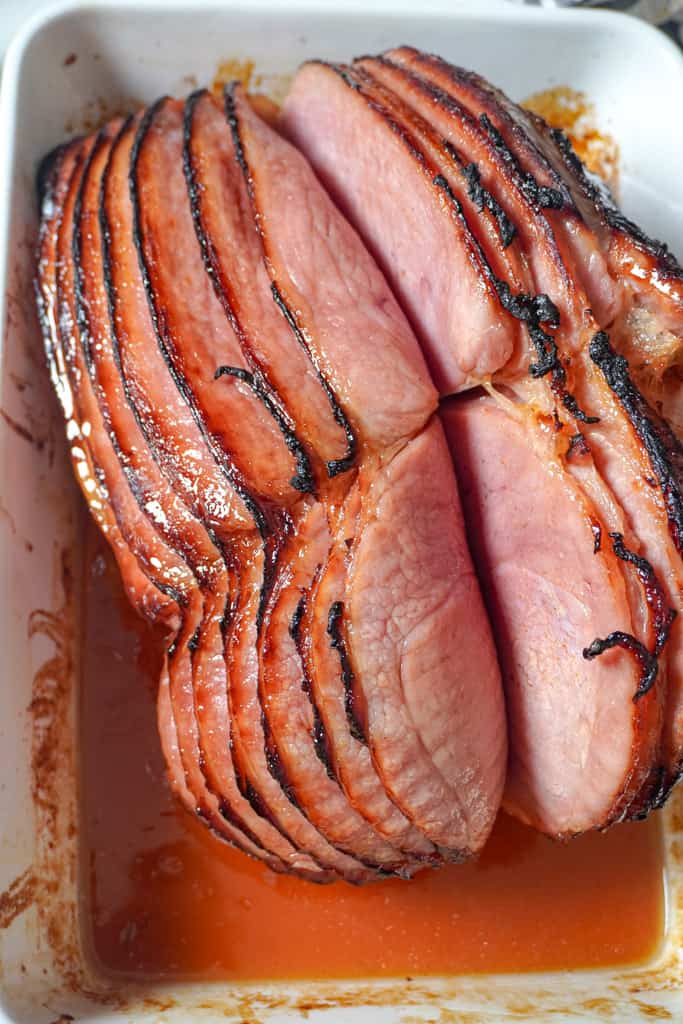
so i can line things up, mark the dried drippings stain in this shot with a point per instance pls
(69, 60)
(53, 782)
(261, 86)
(64, 1018)
(230, 70)
(654, 1012)
(168, 901)
(97, 112)
(573, 112)
(17, 898)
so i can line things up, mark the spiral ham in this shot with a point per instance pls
(305, 371)
(264, 454)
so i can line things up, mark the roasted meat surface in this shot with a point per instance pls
(254, 428)
(552, 327)
(285, 356)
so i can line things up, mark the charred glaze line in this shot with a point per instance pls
(85, 339)
(334, 631)
(228, 813)
(343, 72)
(598, 193)
(318, 732)
(597, 535)
(275, 765)
(221, 457)
(541, 196)
(272, 546)
(161, 585)
(646, 659)
(650, 795)
(47, 170)
(482, 198)
(532, 310)
(577, 446)
(106, 238)
(334, 466)
(258, 380)
(193, 642)
(662, 615)
(463, 116)
(295, 624)
(663, 447)
(110, 292)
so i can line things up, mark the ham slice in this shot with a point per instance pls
(551, 257)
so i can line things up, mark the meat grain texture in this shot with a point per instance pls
(258, 438)
(552, 327)
(258, 337)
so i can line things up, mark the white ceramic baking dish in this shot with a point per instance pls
(133, 52)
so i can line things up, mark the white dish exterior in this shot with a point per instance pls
(138, 51)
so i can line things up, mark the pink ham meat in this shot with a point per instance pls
(572, 289)
(259, 441)
(540, 600)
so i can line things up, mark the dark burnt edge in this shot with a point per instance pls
(599, 194)
(541, 196)
(244, 784)
(662, 615)
(279, 772)
(647, 660)
(318, 732)
(577, 446)
(455, 109)
(406, 134)
(652, 794)
(276, 766)
(79, 172)
(335, 631)
(261, 386)
(225, 464)
(226, 811)
(531, 310)
(663, 447)
(597, 535)
(47, 168)
(482, 198)
(334, 466)
(478, 194)
(85, 340)
(256, 382)
(272, 525)
(111, 301)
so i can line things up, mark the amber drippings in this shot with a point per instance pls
(573, 112)
(165, 898)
